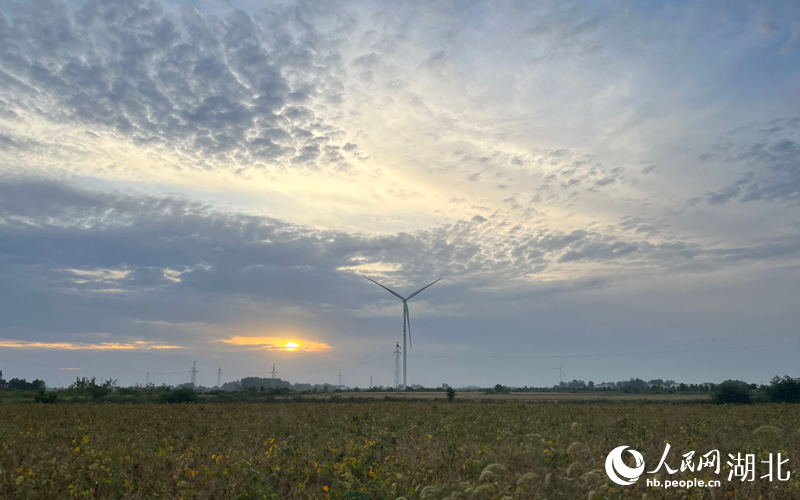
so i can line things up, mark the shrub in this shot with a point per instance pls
(182, 395)
(451, 394)
(85, 386)
(43, 396)
(783, 390)
(280, 391)
(732, 393)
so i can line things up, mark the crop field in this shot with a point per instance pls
(380, 450)
(521, 396)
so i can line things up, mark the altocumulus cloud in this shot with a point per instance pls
(206, 89)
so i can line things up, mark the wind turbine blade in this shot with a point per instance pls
(421, 289)
(408, 321)
(388, 290)
(562, 365)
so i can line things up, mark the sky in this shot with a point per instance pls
(612, 186)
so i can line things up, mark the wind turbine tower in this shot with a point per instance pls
(193, 371)
(147, 379)
(560, 372)
(406, 321)
(370, 381)
(397, 366)
(219, 378)
(340, 379)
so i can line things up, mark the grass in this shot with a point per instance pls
(377, 450)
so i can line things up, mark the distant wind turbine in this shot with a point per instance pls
(406, 319)
(560, 372)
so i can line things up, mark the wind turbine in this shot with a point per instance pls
(406, 318)
(560, 372)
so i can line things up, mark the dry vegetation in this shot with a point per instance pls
(375, 450)
(518, 396)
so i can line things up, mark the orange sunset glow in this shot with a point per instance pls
(22, 344)
(277, 344)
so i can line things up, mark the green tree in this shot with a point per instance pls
(451, 394)
(732, 393)
(501, 389)
(783, 390)
(90, 387)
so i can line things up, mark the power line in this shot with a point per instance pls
(373, 357)
(534, 356)
(675, 341)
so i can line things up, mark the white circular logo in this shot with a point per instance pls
(619, 472)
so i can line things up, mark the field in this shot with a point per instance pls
(380, 450)
(522, 396)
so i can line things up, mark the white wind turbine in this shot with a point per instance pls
(560, 372)
(406, 319)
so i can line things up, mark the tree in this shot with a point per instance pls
(500, 389)
(91, 388)
(24, 385)
(451, 394)
(732, 393)
(783, 390)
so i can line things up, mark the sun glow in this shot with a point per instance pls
(277, 344)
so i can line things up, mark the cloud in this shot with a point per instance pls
(773, 169)
(212, 90)
(649, 169)
(78, 346)
(75, 246)
(790, 44)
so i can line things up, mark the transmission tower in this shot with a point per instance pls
(397, 366)
(340, 379)
(273, 373)
(219, 378)
(193, 371)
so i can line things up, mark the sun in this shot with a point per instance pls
(291, 346)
